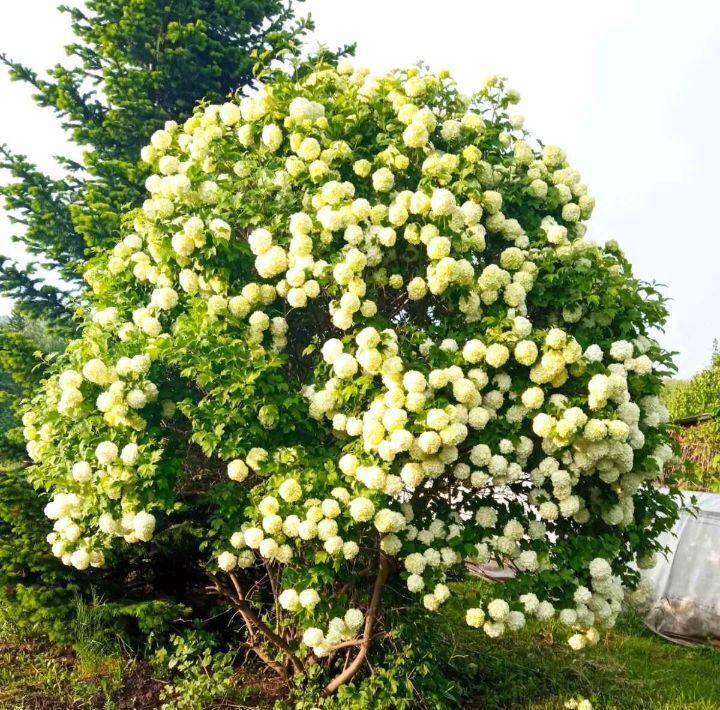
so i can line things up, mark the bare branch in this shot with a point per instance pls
(249, 613)
(348, 673)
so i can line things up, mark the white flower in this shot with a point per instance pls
(136, 398)
(497, 355)
(474, 351)
(237, 470)
(528, 561)
(331, 350)
(441, 593)
(362, 509)
(383, 180)
(442, 202)
(105, 318)
(430, 602)
(415, 135)
(438, 248)
(313, 637)
(486, 517)
(350, 550)
(289, 600)
(568, 617)
(309, 149)
(259, 321)
(475, 617)
(600, 568)
(272, 136)
(107, 524)
(498, 609)
(161, 140)
(451, 130)
(95, 371)
(253, 537)
(473, 121)
(70, 379)
(577, 642)
(260, 240)
(309, 599)
(414, 381)
(515, 620)
(269, 505)
(82, 472)
(268, 548)
(533, 398)
(389, 521)
(246, 559)
(227, 561)
(345, 366)
(229, 114)
(290, 490)
(354, 619)
(494, 629)
(545, 611)
(301, 109)
(415, 583)
(271, 262)
(621, 350)
(106, 452)
(571, 212)
(80, 559)
(144, 526)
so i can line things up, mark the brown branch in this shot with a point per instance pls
(357, 642)
(277, 667)
(275, 587)
(228, 595)
(348, 673)
(247, 611)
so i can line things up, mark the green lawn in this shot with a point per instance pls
(629, 668)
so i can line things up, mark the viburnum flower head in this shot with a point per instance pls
(356, 335)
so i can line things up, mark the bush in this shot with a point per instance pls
(201, 674)
(700, 442)
(700, 394)
(354, 339)
(25, 346)
(36, 591)
(43, 597)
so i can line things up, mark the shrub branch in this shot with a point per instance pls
(348, 673)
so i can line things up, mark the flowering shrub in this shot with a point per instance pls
(362, 312)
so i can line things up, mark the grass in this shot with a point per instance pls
(629, 669)
(33, 676)
(36, 675)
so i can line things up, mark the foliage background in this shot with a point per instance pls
(699, 442)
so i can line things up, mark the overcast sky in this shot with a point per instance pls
(629, 88)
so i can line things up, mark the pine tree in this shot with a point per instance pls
(135, 64)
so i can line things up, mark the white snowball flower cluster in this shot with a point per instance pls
(339, 629)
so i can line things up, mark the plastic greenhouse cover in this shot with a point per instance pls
(684, 605)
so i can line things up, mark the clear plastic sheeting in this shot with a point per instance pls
(684, 605)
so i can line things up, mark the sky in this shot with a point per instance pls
(629, 88)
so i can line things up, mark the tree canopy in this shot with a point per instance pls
(355, 338)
